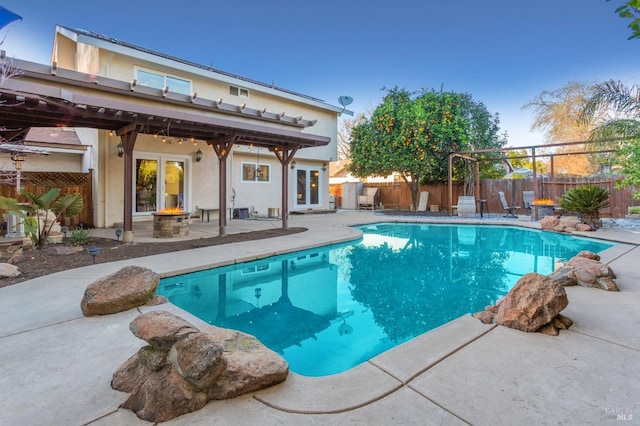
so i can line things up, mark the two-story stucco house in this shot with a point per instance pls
(180, 134)
(167, 172)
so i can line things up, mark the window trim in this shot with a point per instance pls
(239, 89)
(164, 76)
(256, 165)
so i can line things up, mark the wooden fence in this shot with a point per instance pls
(396, 195)
(69, 183)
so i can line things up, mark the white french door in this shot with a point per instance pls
(159, 183)
(307, 188)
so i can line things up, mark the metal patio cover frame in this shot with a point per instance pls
(45, 96)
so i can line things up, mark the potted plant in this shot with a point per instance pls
(586, 201)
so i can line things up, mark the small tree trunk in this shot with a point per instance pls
(414, 186)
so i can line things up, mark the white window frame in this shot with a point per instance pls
(239, 91)
(256, 165)
(164, 79)
(308, 171)
(161, 158)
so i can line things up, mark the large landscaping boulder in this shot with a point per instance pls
(183, 367)
(585, 269)
(533, 304)
(130, 287)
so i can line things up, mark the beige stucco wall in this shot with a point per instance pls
(56, 162)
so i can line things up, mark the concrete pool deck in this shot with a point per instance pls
(56, 365)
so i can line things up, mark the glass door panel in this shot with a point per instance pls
(146, 174)
(174, 184)
(301, 178)
(314, 190)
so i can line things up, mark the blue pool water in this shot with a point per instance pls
(329, 309)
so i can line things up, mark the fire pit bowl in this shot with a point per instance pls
(174, 224)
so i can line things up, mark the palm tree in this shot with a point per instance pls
(622, 104)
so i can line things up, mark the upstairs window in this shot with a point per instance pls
(239, 91)
(159, 81)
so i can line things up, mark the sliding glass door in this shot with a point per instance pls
(159, 184)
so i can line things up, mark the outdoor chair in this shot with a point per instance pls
(527, 199)
(423, 201)
(368, 198)
(509, 209)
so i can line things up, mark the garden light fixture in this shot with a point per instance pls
(94, 251)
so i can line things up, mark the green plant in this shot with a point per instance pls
(634, 210)
(587, 201)
(35, 211)
(80, 236)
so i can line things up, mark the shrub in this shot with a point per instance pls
(80, 236)
(587, 202)
(36, 210)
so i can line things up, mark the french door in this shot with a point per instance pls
(307, 188)
(159, 183)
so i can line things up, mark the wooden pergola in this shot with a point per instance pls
(44, 96)
(467, 156)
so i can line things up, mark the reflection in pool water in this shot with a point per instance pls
(329, 309)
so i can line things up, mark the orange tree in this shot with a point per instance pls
(413, 134)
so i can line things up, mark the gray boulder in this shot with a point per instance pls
(130, 287)
(586, 270)
(8, 270)
(183, 367)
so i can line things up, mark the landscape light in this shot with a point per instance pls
(94, 251)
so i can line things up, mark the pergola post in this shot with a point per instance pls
(536, 194)
(222, 147)
(128, 136)
(285, 156)
(451, 184)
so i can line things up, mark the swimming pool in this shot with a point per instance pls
(329, 309)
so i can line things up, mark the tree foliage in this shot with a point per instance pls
(34, 212)
(520, 159)
(557, 114)
(631, 10)
(621, 129)
(412, 134)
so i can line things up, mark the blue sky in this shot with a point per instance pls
(502, 52)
